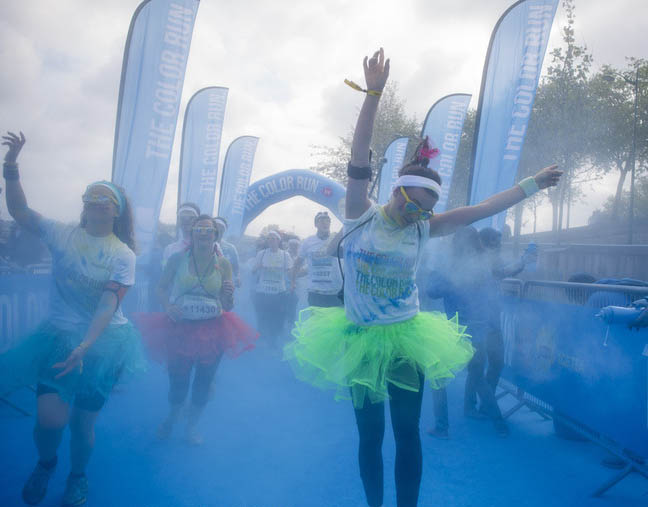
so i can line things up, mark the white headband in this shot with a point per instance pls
(410, 180)
(220, 221)
(275, 233)
(187, 208)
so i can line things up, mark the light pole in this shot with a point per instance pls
(610, 77)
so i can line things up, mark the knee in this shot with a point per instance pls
(371, 436)
(52, 419)
(407, 434)
(200, 394)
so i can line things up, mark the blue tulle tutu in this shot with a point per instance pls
(115, 356)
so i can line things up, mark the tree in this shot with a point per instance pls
(391, 121)
(459, 185)
(607, 213)
(613, 104)
(560, 125)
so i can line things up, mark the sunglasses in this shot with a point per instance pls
(103, 200)
(204, 230)
(412, 207)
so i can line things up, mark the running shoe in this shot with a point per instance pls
(36, 486)
(76, 491)
(441, 434)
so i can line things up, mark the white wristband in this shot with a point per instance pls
(529, 186)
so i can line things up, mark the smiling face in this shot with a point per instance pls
(203, 235)
(99, 206)
(323, 226)
(421, 197)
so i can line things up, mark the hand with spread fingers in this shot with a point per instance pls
(15, 144)
(376, 70)
(74, 360)
(548, 177)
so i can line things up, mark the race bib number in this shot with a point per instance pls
(199, 307)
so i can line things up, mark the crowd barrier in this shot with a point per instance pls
(23, 304)
(573, 365)
(562, 358)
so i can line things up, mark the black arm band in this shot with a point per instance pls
(10, 172)
(359, 173)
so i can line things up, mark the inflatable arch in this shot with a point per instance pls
(287, 184)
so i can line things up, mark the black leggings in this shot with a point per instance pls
(179, 378)
(405, 410)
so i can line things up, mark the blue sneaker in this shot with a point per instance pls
(76, 491)
(36, 486)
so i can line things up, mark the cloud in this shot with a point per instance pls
(283, 62)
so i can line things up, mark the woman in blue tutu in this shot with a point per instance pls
(77, 355)
(380, 346)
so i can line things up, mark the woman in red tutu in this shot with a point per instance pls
(196, 291)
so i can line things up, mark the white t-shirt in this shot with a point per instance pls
(323, 269)
(273, 271)
(381, 260)
(179, 245)
(81, 266)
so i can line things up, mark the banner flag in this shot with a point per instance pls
(392, 162)
(153, 69)
(237, 169)
(509, 82)
(201, 138)
(443, 125)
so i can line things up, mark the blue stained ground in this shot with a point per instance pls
(271, 441)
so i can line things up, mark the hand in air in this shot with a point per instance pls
(376, 70)
(73, 361)
(548, 177)
(15, 144)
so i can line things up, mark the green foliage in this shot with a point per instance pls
(391, 121)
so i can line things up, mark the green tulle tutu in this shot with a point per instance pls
(359, 362)
(115, 355)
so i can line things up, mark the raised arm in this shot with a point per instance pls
(16, 201)
(376, 72)
(450, 221)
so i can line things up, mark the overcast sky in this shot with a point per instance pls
(283, 61)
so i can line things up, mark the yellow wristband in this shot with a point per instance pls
(357, 87)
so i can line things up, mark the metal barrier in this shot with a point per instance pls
(561, 367)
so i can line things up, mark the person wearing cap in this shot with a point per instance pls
(272, 267)
(380, 347)
(324, 278)
(77, 354)
(229, 251)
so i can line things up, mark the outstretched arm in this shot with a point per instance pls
(16, 201)
(376, 72)
(450, 221)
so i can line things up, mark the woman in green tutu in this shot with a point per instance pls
(77, 355)
(380, 346)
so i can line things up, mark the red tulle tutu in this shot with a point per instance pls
(202, 340)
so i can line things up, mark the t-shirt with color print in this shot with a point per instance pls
(323, 269)
(81, 266)
(273, 270)
(381, 260)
